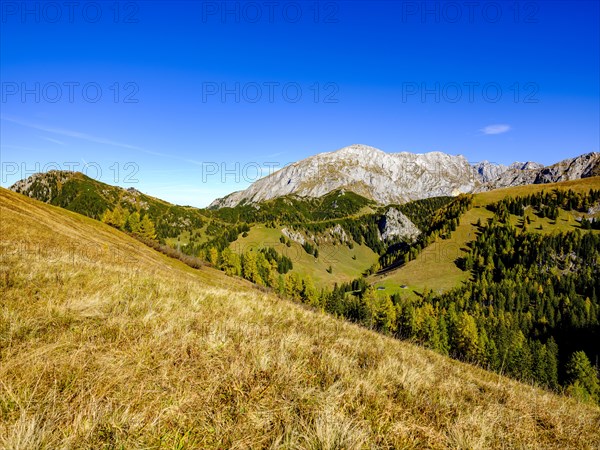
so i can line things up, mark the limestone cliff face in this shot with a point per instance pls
(583, 166)
(397, 225)
(395, 178)
(383, 177)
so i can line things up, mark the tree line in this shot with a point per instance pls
(131, 222)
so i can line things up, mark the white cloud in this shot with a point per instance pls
(495, 129)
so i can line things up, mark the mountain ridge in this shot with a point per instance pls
(367, 171)
(582, 166)
(400, 177)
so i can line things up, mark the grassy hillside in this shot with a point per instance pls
(435, 267)
(195, 231)
(343, 255)
(79, 193)
(346, 264)
(105, 343)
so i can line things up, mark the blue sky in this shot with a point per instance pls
(185, 100)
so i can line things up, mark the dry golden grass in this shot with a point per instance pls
(582, 185)
(139, 351)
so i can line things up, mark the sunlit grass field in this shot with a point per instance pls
(346, 264)
(105, 343)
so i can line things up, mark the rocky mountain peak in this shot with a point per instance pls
(529, 165)
(384, 177)
(357, 149)
(583, 166)
(488, 171)
(395, 178)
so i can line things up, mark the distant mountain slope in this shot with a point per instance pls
(401, 177)
(489, 172)
(79, 193)
(105, 343)
(583, 166)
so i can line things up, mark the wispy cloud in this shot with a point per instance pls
(70, 133)
(87, 137)
(55, 141)
(495, 129)
(95, 139)
(272, 155)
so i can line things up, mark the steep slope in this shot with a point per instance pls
(383, 177)
(80, 193)
(106, 344)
